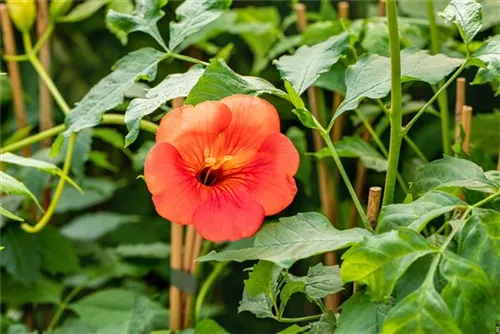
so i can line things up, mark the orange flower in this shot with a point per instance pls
(222, 166)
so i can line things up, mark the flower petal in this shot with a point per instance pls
(228, 214)
(253, 119)
(269, 176)
(176, 192)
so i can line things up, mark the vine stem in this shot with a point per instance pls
(301, 319)
(205, 288)
(187, 58)
(62, 307)
(396, 116)
(41, 41)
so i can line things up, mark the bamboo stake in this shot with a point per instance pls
(466, 123)
(381, 8)
(197, 243)
(325, 179)
(176, 261)
(459, 105)
(9, 47)
(42, 24)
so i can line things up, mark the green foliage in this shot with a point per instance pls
(83, 11)
(10, 185)
(209, 326)
(261, 279)
(58, 254)
(467, 15)
(92, 226)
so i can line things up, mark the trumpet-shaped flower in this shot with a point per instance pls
(222, 166)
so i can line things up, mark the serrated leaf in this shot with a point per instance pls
(361, 315)
(21, 256)
(417, 214)
(260, 305)
(480, 243)
(293, 238)
(304, 67)
(370, 77)
(83, 10)
(468, 294)
(10, 185)
(451, 172)
(58, 254)
(326, 324)
(380, 260)
(261, 278)
(209, 326)
(92, 226)
(110, 91)
(488, 55)
(467, 15)
(322, 281)
(156, 250)
(144, 18)
(192, 16)
(219, 81)
(43, 291)
(174, 85)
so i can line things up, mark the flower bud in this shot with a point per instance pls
(22, 13)
(59, 8)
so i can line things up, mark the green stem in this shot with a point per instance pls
(41, 41)
(120, 120)
(347, 182)
(416, 149)
(63, 306)
(187, 58)
(301, 319)
(396, 116)
(207, 286)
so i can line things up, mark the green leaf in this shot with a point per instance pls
(74, 326)
(467, 15)
(293, 329)
(261, 278)
(92, 226)
(10, 185)
(174, 85)
(417, 214)
(451, 172)
(380, 260)
(100, 159)
(117, 311)
(305, 66)
(21, 256)
(485, 131)
(260, 305)
(480, 243)
(110, 136)
(58, 254)
(219, 81)
(333, 80)
(84, 10)
(370, 77)
(304, 115)
(293, 238)
(360, 315)
(42, 291)
(96, 191)
(156, 250)
(110, 91)
(322, 281)
(326, 324)
(141, 154)
(194, 15)
(291, 287)
(294, 96)
(209, 326)
(144, 18)
(10, 215)
(488, 55)
(468, 294)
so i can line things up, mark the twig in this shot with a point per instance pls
(9, 46)
(466, 123)
(459, 105)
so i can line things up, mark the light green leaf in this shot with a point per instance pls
(92, 226)
(370, 77)
(480, 243)
(84, 10)
(361, 315)
(58, 254)
(109, 92)
(261, 278)
(304, 115)
(111, 136)
(10, 185)
(10, 215)
(488, 55)
(43, 291)
(74, 326)
(451, 172)
(468, 294)
(291, 287)
(417, 214)
(219, 81)
(96, 191)
(156, 250)
(467, 15)
(21, 256)
(380, 260)
(322, 281)
(174, 85)
(194, 15)
(260, 305)
(209, 326)
(100, 159)
(304, 67)
(423, 311)
(293, 329)
(293, 238)
(144, 18)
(326, 324)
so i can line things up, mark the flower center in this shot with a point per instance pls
(213, 170)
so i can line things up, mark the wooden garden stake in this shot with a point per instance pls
(196, 249)
(9, 48)
(459, 105)
(325, 179)
(466, 122)
(176, 261)
(381, 8)
(374, 197)
(42, 24)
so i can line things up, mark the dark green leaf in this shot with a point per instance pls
(291, 287)
(209, 326)
(485, 130)
(468, 294)
(157, 250)
(95, 192)
(100, 159)
(417, 214)
(380, 260)
(141, 154)
(219, 81)
(174, 85)
(322, 281)
(194, 15)
(84, 10)
(305, 66)
(261, 278)
(109, 92)
(21, 256)
(43, 291)
(144, 18)
(92, 226)
(260, 306)
(326, 324)
(58, 254)
(360, 315)
(293, 238)
(488, 55)
(110, 136)
(333, 80)
(467, 15)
